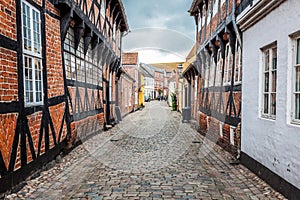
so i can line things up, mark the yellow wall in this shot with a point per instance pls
(142, 91)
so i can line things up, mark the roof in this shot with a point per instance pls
(125, 26)
(146, 70)
(192, 53)
(167, 66)
(194, 4)
(130, 58)
(190, 59)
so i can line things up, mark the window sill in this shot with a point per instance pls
(295, 123)
(267, 117)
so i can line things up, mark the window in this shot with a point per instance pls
(103, 8)
(269, 82)
(32, 57)
(114, 31)
(296, 87)
(80, 67)
(212, 71)
(110, 86)
(219, 68)
(228, 65)
(206, 74)
(238, 64)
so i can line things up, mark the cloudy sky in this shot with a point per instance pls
(161, 30)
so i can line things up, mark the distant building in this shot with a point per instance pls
(159, 75)
(130, 64)
(169, 72)
(126, 94)
(148, 74)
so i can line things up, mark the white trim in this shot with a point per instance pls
(33, 56)
(221, 124)
(293, 91)
(255, 12)
(269, 49)
(232, 135)
(238, 53)
(228, 65)
(28, 52)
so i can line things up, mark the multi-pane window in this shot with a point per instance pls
(269, 82)
(238, 64)
(32, 57)
(206, 74)
(69, 55)
(296, 90)
(219, 68)
(80, 67)
(228, 65)
(212, 71)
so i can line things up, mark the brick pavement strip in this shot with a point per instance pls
(149, 155)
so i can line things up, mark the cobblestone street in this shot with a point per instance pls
(149, 155)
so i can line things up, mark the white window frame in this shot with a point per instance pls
(270, 91)
(227, 66)
(296, 64)
(221, 124)
(238, 64)
(232, 133)
(212, 70)
(34, 56)
(206, 73)
(114, 31)
(219, 68)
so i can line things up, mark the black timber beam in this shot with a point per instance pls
(88, 34)
(65, 22)
(8, 43)
(78, 30)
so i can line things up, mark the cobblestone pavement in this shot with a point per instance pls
(149, 155)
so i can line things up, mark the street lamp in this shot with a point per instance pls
(179, 68)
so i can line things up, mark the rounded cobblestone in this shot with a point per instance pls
(149, 155)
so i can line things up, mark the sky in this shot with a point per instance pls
(160, 30)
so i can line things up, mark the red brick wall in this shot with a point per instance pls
(8, 76)
(7, 131)
(54, 58)
(8, 19)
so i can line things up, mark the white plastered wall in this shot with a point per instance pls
(274, 143)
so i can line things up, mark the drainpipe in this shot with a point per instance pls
(236, 29)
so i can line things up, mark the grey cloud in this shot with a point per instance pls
(174, 29)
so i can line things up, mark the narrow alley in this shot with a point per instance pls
(148, 155)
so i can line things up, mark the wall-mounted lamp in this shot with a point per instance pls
(218, 41)
(226, 34)
(179, 69)
(210, 46)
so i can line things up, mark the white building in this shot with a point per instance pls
(148, 81)
(271, 92)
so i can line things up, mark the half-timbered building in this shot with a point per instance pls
(218, 61)
(59, 60)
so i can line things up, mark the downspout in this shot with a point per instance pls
(236, 29)
(123, 34)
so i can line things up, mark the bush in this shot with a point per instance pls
(174, 102)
